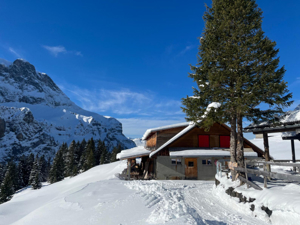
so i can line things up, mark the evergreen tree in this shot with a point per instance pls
(71, 162)
(98, 151)
(44, 168)
(76, 158)
(14, 173)
(57, 169)
(90, 155)
(20, 173)
(66, 157)
(238, 68)
(2, 173)
(7, 187)
(114, 153)
(82, 151)
(35, 175)
(28, 168)
(105, 156)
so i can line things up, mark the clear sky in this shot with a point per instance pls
(129, 59)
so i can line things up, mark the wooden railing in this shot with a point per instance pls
(265, 173)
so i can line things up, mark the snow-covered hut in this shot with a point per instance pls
(185, 151)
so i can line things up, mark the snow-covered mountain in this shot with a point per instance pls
(36, 116)
(138, 141)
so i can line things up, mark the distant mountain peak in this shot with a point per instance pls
(22, 83)
(36, 116)
(4, 62)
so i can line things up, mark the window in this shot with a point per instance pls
(191, 164)
(224, 141)
(204, 141)
(206, 162)
(176, 161)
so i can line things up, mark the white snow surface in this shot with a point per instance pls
(98, 197)
(279, 149)
(133, 152)
(282, 198)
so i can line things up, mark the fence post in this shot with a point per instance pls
(246, 174)
(265, 177)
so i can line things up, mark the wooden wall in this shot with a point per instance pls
(164, 135)
(190, 139)
(151, 142)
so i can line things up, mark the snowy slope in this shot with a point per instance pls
(52, 115)
(98, 197)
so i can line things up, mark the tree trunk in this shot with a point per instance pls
(233, 144)
(240, 142)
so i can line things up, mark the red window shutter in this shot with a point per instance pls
(225, 141)
(204, 141)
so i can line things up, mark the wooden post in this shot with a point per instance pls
(266, 148)
(246, 174)
(265, 177)
(129, 168)
(293, 153)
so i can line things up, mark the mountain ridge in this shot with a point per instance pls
(36, 116)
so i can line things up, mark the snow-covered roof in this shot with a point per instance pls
(207, 152)
(133, 152)
(185, 130)
(289, 120)
(149, 131)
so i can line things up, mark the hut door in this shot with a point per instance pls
(191, 168)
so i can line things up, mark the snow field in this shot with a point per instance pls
(282, 198)
(93, 197)
(98, 197)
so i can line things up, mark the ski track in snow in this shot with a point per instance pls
(187, 202)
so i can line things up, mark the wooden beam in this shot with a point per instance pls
(248, 182)
(276, 130)
(266, 148)
(280, 176)
(128, 168)
(281, 164)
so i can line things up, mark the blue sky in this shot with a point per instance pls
(129, 59)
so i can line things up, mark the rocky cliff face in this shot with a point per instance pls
(36, 116)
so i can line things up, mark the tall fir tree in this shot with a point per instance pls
(28, 168)
(105, 156)
(57, 169)
(7, 187)
(114, 153)
(90, 155)
(76, 157)
(20, 174)
(71, 162)
(44, 168)
(238, 68)
(35, 175)
(98, 151)
(82, 151)
(2, 173)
